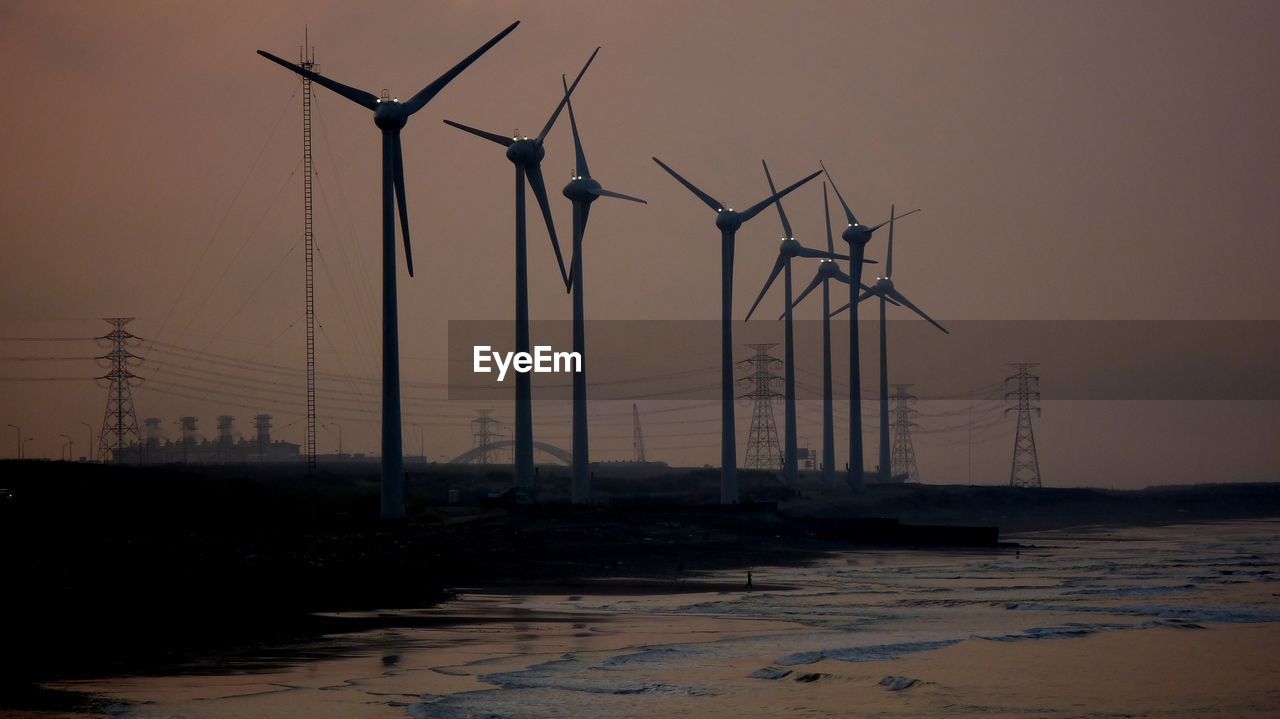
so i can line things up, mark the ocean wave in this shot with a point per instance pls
(1130, 591)
(769, 673)
(1200, 615)
(874, 653)
(897, 684)
(1070, 630)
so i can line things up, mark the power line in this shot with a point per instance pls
(47, 339)
(226, 213)
(46, 379)
(47, 358)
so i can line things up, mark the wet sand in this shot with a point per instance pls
(1153, 622)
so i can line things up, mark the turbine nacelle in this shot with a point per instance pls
(857, 234)
(827, 268)
(582, 189)
(883, 285)
(790, 247)
(728, 220)
(526, 151)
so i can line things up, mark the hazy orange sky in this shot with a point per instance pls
(1074, 161)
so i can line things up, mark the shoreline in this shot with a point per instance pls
(112, 572)
(921, 681)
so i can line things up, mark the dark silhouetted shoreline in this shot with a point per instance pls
(121, 569)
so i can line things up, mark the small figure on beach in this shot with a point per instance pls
(749, 580)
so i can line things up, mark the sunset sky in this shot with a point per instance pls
(1086, 160)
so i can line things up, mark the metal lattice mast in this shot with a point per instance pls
(119, 421)
(1025, 471)
(904, 451)
(763, 449)
(637, 435)
(308, 237)
(484, 431)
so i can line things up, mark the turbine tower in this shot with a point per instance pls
(526, 154)
(728, 221)
(390, 116)
(857, 235)
(787, 249)
(829, 270)
(582, 190)
(885, 290)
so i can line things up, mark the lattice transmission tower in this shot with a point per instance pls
(903, 456)
(1026, 464)
(485, 430)
(763, 449)
(308, 62)
(637, 435)
(119, 421)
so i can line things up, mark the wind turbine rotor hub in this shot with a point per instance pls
(827, 267)
(390, 116)
(884, 283)
(728, 220)
(790, 247)
(526, 152)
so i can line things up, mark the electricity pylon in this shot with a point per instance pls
(904, 452)
(763, 450)
(637, 435)
(1025, 471)
(119, 421)
(484, 431)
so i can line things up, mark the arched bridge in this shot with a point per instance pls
(472, 455)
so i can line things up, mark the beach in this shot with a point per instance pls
(1172, 621)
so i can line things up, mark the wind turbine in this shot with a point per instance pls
(582, 190)
(526, 154)
(885, 290)
(828, 270)
(787, 249)
(857, 235)
(729, 220)
(390, 115)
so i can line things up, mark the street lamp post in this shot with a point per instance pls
(422, 452)
(89, 436)
(70, 447)
(22, 448)
(18, 431)
(335, 424)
